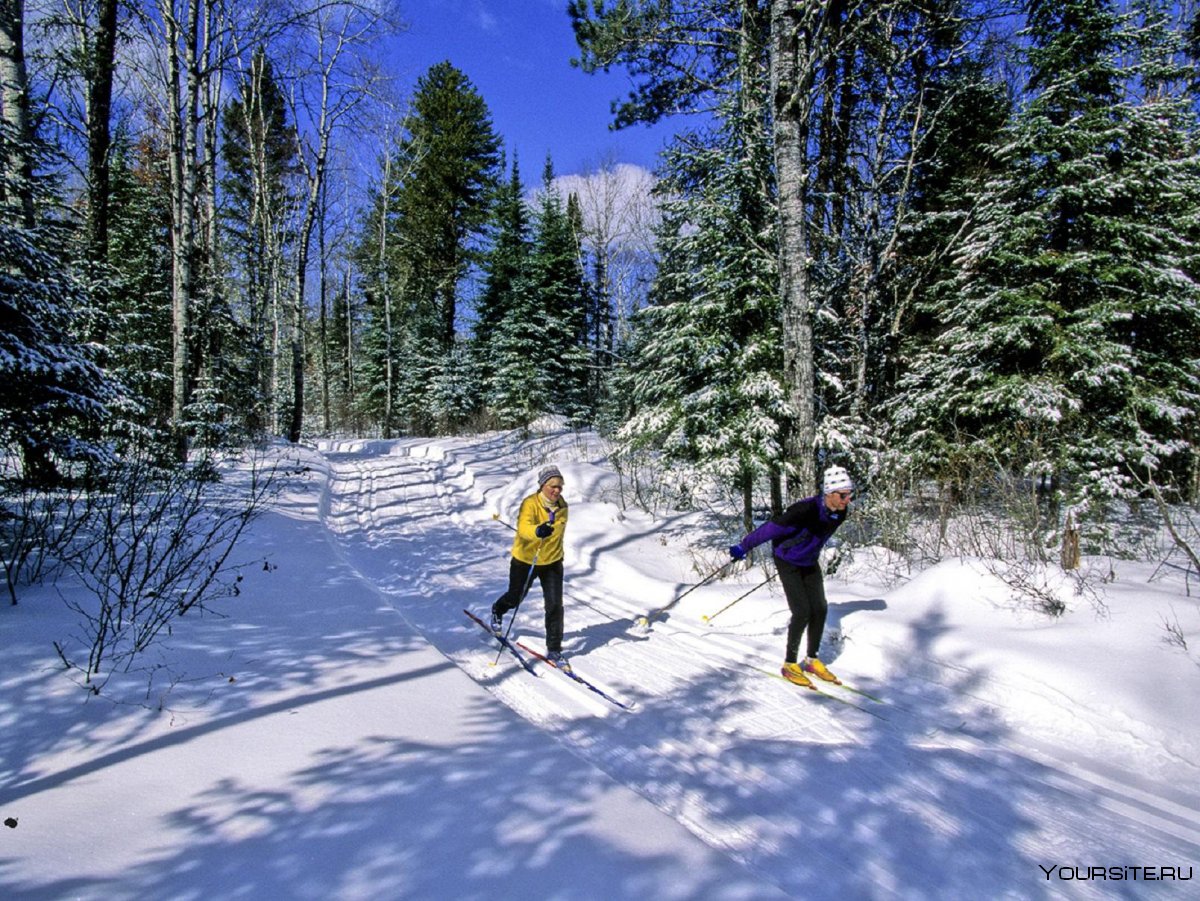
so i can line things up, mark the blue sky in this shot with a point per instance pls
(517, 54)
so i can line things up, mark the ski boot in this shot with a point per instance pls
(795, 675)
(817, 668)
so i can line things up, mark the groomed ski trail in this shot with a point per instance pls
(732, 757)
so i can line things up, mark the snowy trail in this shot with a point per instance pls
(804, 791)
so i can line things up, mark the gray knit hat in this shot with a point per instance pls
(546, 474)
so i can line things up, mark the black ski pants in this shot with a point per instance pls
(804, 588)
(550, 575)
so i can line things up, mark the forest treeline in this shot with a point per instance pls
(942, 243)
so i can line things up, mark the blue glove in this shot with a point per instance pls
(737, 552)
(545, 530)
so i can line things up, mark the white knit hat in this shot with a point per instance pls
(836, 479)
(548, 473)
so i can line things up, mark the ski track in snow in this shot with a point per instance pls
(931, 774)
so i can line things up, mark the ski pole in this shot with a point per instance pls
(709, 619)
(524, 591)
(645, 620)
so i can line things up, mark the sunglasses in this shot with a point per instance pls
(844, 495)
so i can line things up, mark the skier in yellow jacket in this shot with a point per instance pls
(538, 551)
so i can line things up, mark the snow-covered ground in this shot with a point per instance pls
(344, 731)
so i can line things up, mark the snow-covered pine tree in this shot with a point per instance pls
(455, 393)
(556, 278)
(1163, 152)
(537, 345)
(1072, 312)
(138, 351)
(519, 388)
(54, 399)
(503, 268)
(705, 386)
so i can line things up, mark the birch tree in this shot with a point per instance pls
(177, 29)
(16, 138)
(619, 216)
(327, 96)
(259, 151)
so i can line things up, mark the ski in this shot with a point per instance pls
(859, 691)
(819, 692)
(505, 642)
(570, 673)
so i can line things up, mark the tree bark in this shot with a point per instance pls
(16, 160)
(183, 82)
(790, 82)
(99, 128)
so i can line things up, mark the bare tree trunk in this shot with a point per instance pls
(299, 322)
(99, 130)
(335, 37)
(209, 350)
(262, 268)
(348, 385)
(747, 483)
(16, 160)
(790, 83)
(183, 80)
(316, 181)
(386, 292)
(322, 256)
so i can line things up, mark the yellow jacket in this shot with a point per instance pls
(532, 514)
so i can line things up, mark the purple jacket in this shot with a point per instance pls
(799, 532)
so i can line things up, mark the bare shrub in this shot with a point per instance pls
(1182, 524)
(155, 546)
(36, 523)
(643, 482)
(1175, 636)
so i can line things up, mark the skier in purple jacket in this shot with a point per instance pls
(797, 536)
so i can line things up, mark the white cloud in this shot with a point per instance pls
(617, 202)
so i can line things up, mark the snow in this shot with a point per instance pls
(342, 731)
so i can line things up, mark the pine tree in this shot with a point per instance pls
(418, 243)
(54, 398)
(139, 234)
(503, 268)
(1163, 154)
(705, 384)
(536, 350)
(1069, 328)
(555, 278)
(518, 389)
(451, 155)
